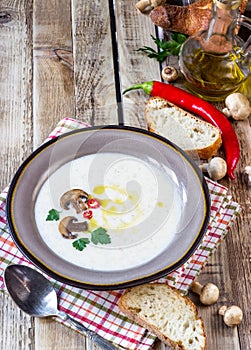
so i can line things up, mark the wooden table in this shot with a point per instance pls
(63, 58)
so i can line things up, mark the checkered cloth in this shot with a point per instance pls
(98, 310)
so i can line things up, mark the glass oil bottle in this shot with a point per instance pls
(215, 62)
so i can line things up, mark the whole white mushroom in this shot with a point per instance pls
(232, 315)
(209, 293)
(216, 168)
(237, 106)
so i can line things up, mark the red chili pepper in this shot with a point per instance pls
(204, 109)
(87, 214)
(93, 203)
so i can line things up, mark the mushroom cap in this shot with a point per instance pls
(209, 294)
(232, 315)
(75, 198)
(148, 5)
(217, 168)
(247, 175)
(169, 73)
(238, 106)
(64, 227)
(248, 170)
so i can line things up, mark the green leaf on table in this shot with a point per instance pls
(166, 47)
(100, 236)
(81, 243)
(53, 215)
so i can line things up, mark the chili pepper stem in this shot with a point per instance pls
(146, 87)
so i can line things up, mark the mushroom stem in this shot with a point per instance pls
(197, 287)
(222, 310)
(77, 226)
(70, 224)
(203, 167)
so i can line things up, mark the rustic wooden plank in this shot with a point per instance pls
(218, 272)
(53, 94)
(238, 242)
(234, 255)
(50, 335)
(229, 267)
(134, 31)
(16, 327)
(16, 132)
(53, 99)
(93, 63)
(16, 88)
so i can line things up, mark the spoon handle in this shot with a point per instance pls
(100, 341)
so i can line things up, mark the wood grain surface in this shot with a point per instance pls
(73, 58)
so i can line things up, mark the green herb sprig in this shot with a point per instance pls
(166, 47)
(98, 236)
(81, 243)
(53, 215)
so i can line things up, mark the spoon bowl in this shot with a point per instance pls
(31, 291)
(35, 295)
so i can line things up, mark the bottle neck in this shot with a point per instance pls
(219, 34)
(224, 12)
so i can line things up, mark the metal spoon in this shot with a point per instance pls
(35, 295)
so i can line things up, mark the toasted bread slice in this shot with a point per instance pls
(182, 128)
(162, 310)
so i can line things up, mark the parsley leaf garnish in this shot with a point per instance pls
(167, 47)
(81, 243)
(53, 214)
(100, 236)
(97, 236)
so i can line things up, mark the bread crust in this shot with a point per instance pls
(203, 153)
(184, 19)
(187, 19)
(150, 327)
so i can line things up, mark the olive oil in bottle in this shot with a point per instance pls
(211, 75)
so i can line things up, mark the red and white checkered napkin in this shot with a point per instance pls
(98, 310)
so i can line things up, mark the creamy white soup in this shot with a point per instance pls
(140, 208)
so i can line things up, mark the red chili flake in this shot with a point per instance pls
(87, 214)
(93, 203)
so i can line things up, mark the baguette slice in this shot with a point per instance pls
(190, 133)
(166, 313)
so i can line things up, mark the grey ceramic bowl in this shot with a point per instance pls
(30, 177)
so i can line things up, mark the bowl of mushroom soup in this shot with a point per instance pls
(108, 207)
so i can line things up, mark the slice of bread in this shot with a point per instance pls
(182, 128)
(162, 310)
